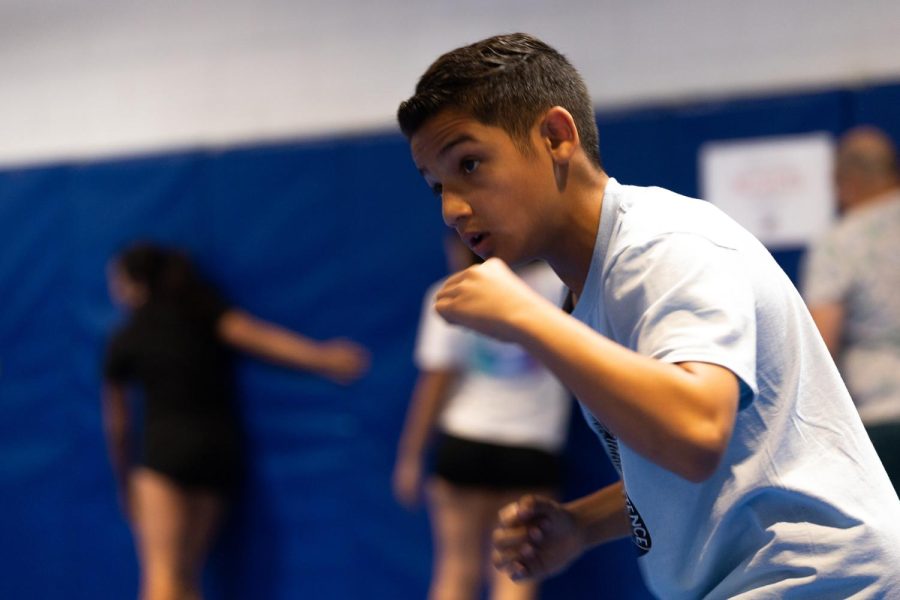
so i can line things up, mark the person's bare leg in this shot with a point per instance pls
(502, 587)
(160, 517)
(458, 542)
(206, 509)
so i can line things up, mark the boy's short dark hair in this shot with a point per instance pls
(505, 81)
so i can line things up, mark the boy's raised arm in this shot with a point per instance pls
(680, 416)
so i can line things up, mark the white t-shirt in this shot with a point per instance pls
(503, 395)
(800, 505)
(857, 264)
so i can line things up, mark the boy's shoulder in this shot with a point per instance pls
(647, 214)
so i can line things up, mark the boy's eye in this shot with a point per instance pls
(437, 189)
(470, 164)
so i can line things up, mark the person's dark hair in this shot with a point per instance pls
(166, 273)
(170, 278)
(505, 81)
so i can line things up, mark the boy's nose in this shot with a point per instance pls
(454, 208)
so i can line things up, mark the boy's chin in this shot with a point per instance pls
(513, 260)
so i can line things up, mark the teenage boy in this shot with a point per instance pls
(744, 467)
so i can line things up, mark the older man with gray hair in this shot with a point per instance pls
(852, 285)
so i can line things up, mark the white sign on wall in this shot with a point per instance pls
(779, 188)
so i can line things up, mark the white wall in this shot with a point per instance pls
(89, 78)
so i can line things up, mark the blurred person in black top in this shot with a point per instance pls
(176, 347)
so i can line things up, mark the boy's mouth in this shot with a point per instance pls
(475, 239)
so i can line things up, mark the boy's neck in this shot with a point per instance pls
(571, 252)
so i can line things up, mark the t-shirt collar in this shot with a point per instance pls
(608, 211)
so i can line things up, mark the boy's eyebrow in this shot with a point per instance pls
(463, 137)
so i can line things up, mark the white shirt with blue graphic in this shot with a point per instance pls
(503, 395)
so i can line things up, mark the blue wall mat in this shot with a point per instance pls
(661, 146)
(879, 106)
(332, 238)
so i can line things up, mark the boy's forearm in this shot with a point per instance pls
(601, 517)
(661, 410)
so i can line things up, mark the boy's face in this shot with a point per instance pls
(493, 194)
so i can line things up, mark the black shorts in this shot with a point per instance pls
(195, 455)
(469, 463)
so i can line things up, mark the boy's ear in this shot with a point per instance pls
(559, 133)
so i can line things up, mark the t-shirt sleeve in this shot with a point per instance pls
(209, 305)
(680, 298)
(827, 273)
(118, 361)
(440, 346)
